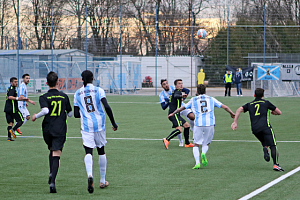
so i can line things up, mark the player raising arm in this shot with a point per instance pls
(260, 125)
(87, 107)
(55, 107)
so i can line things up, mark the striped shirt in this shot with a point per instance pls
(203, 108)
(164, 95)
(22, 91)
(88, 99)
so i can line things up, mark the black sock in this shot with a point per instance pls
(173, 134)
(274, 154)
(55, 167)
(19, 123)
(50, 161)
(8, 133)
(186, 133)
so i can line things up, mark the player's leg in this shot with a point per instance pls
(100, 140)
(10, 122)
(186, 133)
(208, 134)
(197, 138)
(178, 129)
(19, 119)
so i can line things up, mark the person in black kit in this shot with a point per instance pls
(11, 109)
(261, 128)
(177, 120)
(55, 107)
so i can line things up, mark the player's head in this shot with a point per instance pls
(26, 78)
(201, 89)
(87, 77)
(259, 93)
(178, 84)
(52, 79)
(164, 84)
(14, 81)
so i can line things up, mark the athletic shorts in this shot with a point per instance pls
(177, 120)
(186, 112)
(11, 116)
(54, 142)
(94, 139)
(203, 134)
(266, 137)
(24, 112)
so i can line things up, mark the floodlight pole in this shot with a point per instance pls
(121, 50)
(264, 34)
(18, 41)
(156, 26)
(227, 35)
(52, 37)
(192, 49)
(86, 44)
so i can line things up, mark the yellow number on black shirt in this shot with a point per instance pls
(257, 108)
(55, 111)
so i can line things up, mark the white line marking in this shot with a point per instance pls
(267, 186)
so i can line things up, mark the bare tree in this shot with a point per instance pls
(4, 17)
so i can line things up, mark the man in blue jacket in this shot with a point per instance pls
(237, 80)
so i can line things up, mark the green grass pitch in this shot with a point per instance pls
(143, 169)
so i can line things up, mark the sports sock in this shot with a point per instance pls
(50, 161)
(196, 154)
(18, 125)
(186, 135)
(102, 166)
(25, 120)
(180, 137)
(8, 133)
(173, 134)
(192, 125)
(88, 161)
(204, 148)
(274, 154)
(55, 167)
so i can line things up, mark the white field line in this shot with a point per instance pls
(267, 186)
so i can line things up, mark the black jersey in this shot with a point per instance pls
(11, 106)
(175, 100)
(259, 114)
(58, 103)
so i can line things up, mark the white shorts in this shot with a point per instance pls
(93, 140)
(203, 134)
(24, 112)
(185, 113)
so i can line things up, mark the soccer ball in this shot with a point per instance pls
(201, 34)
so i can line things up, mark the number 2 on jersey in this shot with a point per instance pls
(203, 106)
(56, 111)
(257, 109)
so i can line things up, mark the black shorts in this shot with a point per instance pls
(54, 142)
(266, 137)
(177, 120)
(11, 116)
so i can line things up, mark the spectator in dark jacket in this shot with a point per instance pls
(237, 80)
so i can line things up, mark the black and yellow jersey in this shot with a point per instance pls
(175, 100)
(259, 114)
(11, 106)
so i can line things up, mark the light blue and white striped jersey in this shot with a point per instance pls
(92, 115)
(203, 108)
(22, 91)
(164, 95)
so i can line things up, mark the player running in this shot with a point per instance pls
(260, 124)
(22, 105)
(55, 107)
(164, 102)
(88, 107)
(203, 107)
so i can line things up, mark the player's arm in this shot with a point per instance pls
(237, 114)
(186, 91)
(177, 111)
(11, 96)
(68, 107)
(276, 112)
(178, 95)
(44, 111)
(27, 99)
(76, 112)
(164, 104)
(109, 113)
(228, 110)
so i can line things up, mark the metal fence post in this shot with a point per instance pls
(52, 37)
(121, 50)
(191, 49)
(86, 43)
(18, 41)
(156, 25)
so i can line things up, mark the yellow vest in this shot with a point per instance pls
(228, 79)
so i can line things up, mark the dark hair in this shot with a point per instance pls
(24, 75)
(12, 79)
(87, 77)
(163, 80)
(201, 89)
(52, 79)
(175, 82)
(259, 92)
